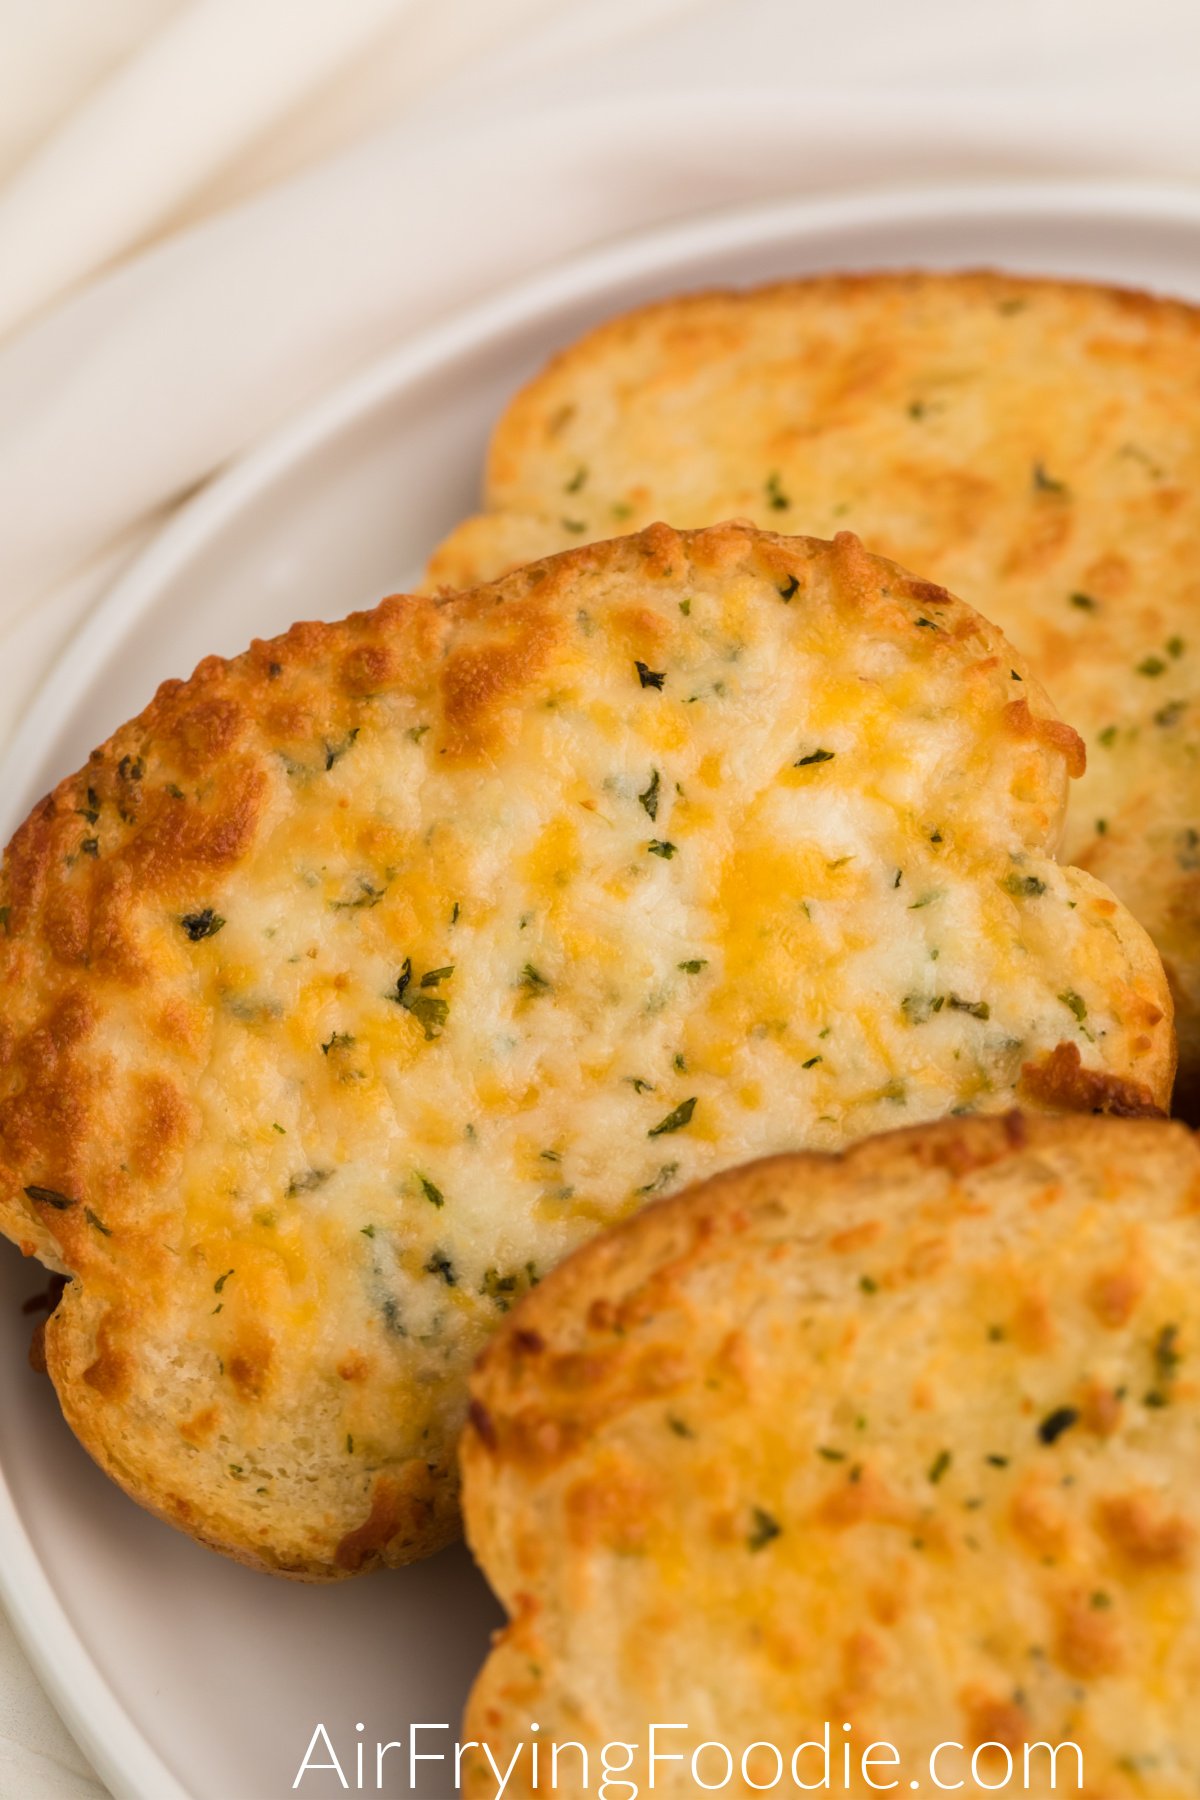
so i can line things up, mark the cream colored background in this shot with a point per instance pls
(212, 209)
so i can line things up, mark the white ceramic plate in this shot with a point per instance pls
(183, 1676)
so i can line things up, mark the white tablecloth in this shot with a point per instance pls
(166, 167)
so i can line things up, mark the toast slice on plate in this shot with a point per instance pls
(366, 974)
(876, 1452)
(1035, 445)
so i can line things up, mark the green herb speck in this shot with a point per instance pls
(50, 1197)
(1055, 1423)
(1046, 484)
(763, 1529)
(1166, 1365)
(649, 795)
(1023, 886)
(307, 1182)
(335, 752)
(199, 925)
(663, 1179)
(978, 1009)
(439, 1264)
(429, 1010)
(676, 1120)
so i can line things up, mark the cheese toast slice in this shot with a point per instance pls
(1035, 445)
(366, 974)
(857, 1456)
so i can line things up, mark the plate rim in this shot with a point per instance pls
(73, 1679)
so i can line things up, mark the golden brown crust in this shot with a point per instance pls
(324, 980)
(1059, 1083)
(1031, 443)
(846, 1439)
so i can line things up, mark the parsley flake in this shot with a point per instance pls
(203, 924)
(939, 1466)
(763, 1529)
(50, 1197)
(1046, 484)
(429, 1010)
(676, 1120)
(1055, 1423)
(777, 500)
